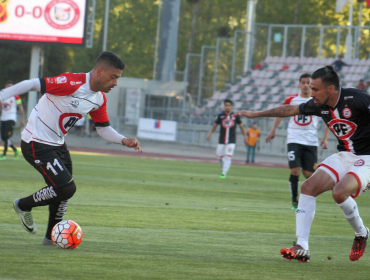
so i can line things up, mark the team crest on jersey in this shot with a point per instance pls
(61, 80)
(302, 120)
(343, 129)
(75, 103)
(228, 123)
(6, 106)
(360, 162)
(347, 113)
(68, 120)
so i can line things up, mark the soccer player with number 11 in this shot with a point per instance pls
(66, 99)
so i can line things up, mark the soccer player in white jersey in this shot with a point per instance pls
(9, 119)
(66, 99)
(346, 111)
(302, 140)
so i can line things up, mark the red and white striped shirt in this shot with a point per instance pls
(67, 98)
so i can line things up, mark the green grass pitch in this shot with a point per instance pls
(162, 219)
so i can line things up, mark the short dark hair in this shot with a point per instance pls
(9, 82)
(328, 76)
(228, 101)
(305, 75)
(111, 59)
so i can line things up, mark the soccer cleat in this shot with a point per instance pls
(358, 247)
(222, 176)
(295, 206)
(295, 253)
(2, 157)
(25, 217)
(47, 241)
(16, 154)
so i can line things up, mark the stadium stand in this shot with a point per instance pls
(272, 80)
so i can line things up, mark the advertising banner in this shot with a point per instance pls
(157, 129)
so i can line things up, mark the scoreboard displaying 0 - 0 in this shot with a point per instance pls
(43, 21)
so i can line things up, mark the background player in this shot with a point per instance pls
(227, 138)
(302, 139)
(9, 119)
(346, 111)
(67, 98)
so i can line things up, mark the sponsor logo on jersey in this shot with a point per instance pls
(347, 113)
(75, 103)
(343, 129)
(61, 80)
(324, 112)
(302, 120)
(44, 194)
(228, 123)
(348, 97)
(360, 162)
(75, 83)
(38, 162)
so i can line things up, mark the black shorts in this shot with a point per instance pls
(7, 128)
(302, 156)
(53, 162)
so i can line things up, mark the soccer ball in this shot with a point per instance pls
(66, 235)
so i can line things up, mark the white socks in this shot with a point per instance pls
(226, 164)
(350, 210)
(304, 218)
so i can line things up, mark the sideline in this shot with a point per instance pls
(105, 152)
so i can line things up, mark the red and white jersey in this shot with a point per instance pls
(67, 99)
(9, 108)
(302, 129)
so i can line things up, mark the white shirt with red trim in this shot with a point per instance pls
(67, 99)
(302, 129)
(9, 108)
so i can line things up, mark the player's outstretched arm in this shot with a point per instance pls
(20, 88)
(111, 135)
(281, 112)
(132, 143)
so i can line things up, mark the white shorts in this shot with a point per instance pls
(225, 150)
(342, 163)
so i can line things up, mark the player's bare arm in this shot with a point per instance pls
(281, 112)
(324, 141)
(242, 129)
(132, 143)
(213, 128)
(21, 111)
(271, 135)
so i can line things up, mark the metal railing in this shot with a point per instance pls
(268, 40)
